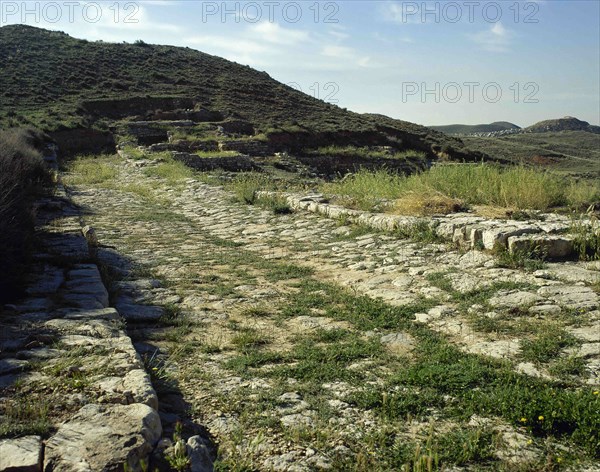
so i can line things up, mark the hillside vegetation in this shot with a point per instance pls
(469, 129)
(22, 177)
(53, 81)
(571, 152)
(568, 123)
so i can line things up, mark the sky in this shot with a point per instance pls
(428, 62)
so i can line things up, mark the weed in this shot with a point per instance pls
(446, 188)
(249, 338)
(92, 170)
(587, 240)
(568, 366)
(173, 172)
(177, 454)
(246, 187)
(421, 231)
(23, 416)
(530, 260)
(160, 377)
(275, 203)
(256, 312)
(547, 345)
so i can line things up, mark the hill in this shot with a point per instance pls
(471, 129)
(55, 82)
(568, 123)
(572, 152)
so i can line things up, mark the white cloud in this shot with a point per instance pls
(495, 39)
(274, 33)
(337, 51)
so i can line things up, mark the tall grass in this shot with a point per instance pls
(92, 170)
(481, 184)
(23, 176)
(245, 187)
(353, 151)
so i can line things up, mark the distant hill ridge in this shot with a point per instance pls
(500, 128)
(568, 123)
(470, 129)
(56, 82)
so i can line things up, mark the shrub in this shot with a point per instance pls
(23, 175)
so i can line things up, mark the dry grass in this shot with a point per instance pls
(23, 176)
(414, 203)
(447, 188)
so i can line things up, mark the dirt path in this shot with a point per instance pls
(303, 344)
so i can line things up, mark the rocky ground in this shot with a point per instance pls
(296, 342)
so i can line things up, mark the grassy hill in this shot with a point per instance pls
(568, 123)
(572, 152)
(469, 129)
(53, 81)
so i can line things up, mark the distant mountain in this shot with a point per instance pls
(55, 82)
(471, 129)
(568, 123)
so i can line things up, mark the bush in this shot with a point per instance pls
(23, 175)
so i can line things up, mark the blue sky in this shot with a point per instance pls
(427, 62)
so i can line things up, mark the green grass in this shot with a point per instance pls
(474, 184)
(249, 338)
(25, 416)
(365, 152)
(587, 240)
(567, 152)
(246, 186)
(217, 153)
(530, 260)
(92, 170)
(547, 345)
(278, 205)
(173, 172)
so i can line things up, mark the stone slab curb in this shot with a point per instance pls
(548, 237)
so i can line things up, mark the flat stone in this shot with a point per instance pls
(574, 273)
(497, 349)
(552, 246)
(40, 353)
(10, 365)
(49, 282)
(499, 236)
(296, 420)
(587, 333)
(403, 281)
(34, 304)
(199, 453)
(530, 369)
(571, 296)
(21, 454)
(441, 311)
(399, 343)
(133, 312)
(98, 314)
(545, 310)
(514, 299)
(104, 437)
(90, 298)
